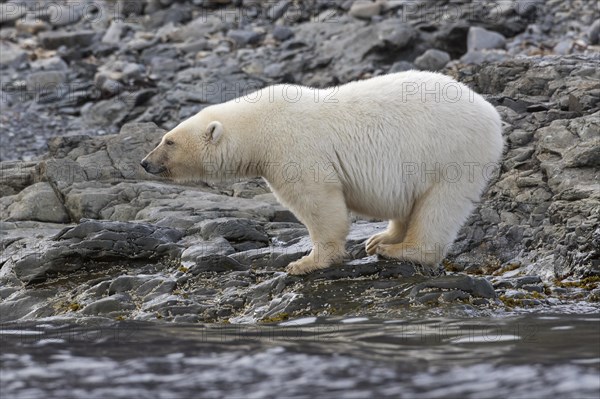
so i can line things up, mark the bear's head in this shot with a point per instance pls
(193, 150)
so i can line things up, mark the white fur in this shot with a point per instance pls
(365, 147)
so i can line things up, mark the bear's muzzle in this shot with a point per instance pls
(152, 168)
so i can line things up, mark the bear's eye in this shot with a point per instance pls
(169, 142)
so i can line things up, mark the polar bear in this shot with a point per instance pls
(415, 148)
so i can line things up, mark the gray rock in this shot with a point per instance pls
(278, 9)
(370, 266)
(49, 64)
(216, 246)
(528, 7)
(11, 12)
(98, 242)
(527, 280)
(244, 37)
(428, 298)
(15, 176)
(533, 288)
(126, 283)
(11, 55)
(274, 71)
(55, 39)
(520, 137)
(395, 34)
(114, 32)
(282, 33)
(46, 81)
(38, 202)
(451, 296)
(233, 230)
(113, 304)
(215, 263)
(343, 46)
(23, 304)
(401, 66)
(70, 16)
(206, 24)
(432, 60)
(273, 258)
(483, 39)
(478, 57)
(490, 216)
(107, 113)
(564, 47)
(478, 287)
(264, 291)
(365, 9)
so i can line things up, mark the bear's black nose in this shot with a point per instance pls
(144, 164)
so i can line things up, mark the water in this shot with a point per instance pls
(527, 356)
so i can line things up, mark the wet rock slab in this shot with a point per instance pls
(96, 242)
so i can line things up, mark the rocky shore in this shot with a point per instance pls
(88, 91)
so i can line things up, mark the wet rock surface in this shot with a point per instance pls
(85, 232)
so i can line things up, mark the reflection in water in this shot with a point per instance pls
(529, 356)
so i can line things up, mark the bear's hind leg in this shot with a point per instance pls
(326, 217)
(432, 227)
(394, 234)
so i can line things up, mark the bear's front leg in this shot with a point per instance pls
(322, 209)
(321, 257)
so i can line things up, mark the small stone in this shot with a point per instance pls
(49, 64)
(432, 60)
(233, 229)
(114, 32)
(55, 39)
(489, 216)
(274, 70)
(563, 47)
(216, 246)
(394, 34)
(401, 66)
(244, 37)
(216, 263)
(282, 33)
(126, 283)
(479, 287)
(44, 82)
(428, 298)
(478, 57)
(483, 39)
(452, 296)
(533, 288)
(559, 291)
(11, 55)
(527, 280)
(520, 137)
(278, 9)
(365, 9)
(69, 15)
(115, 303)
(38, 202)
(527, 7)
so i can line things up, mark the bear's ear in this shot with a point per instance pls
(214, 131)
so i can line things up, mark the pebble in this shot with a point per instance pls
(432, 60)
